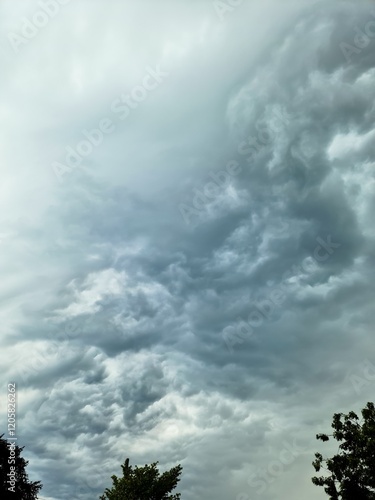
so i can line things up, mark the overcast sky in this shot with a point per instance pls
(187, 237)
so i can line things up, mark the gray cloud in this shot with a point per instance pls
(116, 310)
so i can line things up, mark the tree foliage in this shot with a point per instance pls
(352, 469)
(14, 482)
(144, 483)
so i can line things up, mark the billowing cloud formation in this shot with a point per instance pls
(187, 244)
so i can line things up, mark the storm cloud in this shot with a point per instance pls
(187, 239)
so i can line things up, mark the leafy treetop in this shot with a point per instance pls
(352, 470)
(144, 483)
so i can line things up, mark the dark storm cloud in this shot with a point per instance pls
(118, 305)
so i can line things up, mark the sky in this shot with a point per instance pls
(187, 238)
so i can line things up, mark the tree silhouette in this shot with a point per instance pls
(14, 482)
(144, 483)
(352, 470)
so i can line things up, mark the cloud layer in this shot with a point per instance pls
(187, 239)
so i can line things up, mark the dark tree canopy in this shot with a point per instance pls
(352, 470)
(14, 482)
(144, 483)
